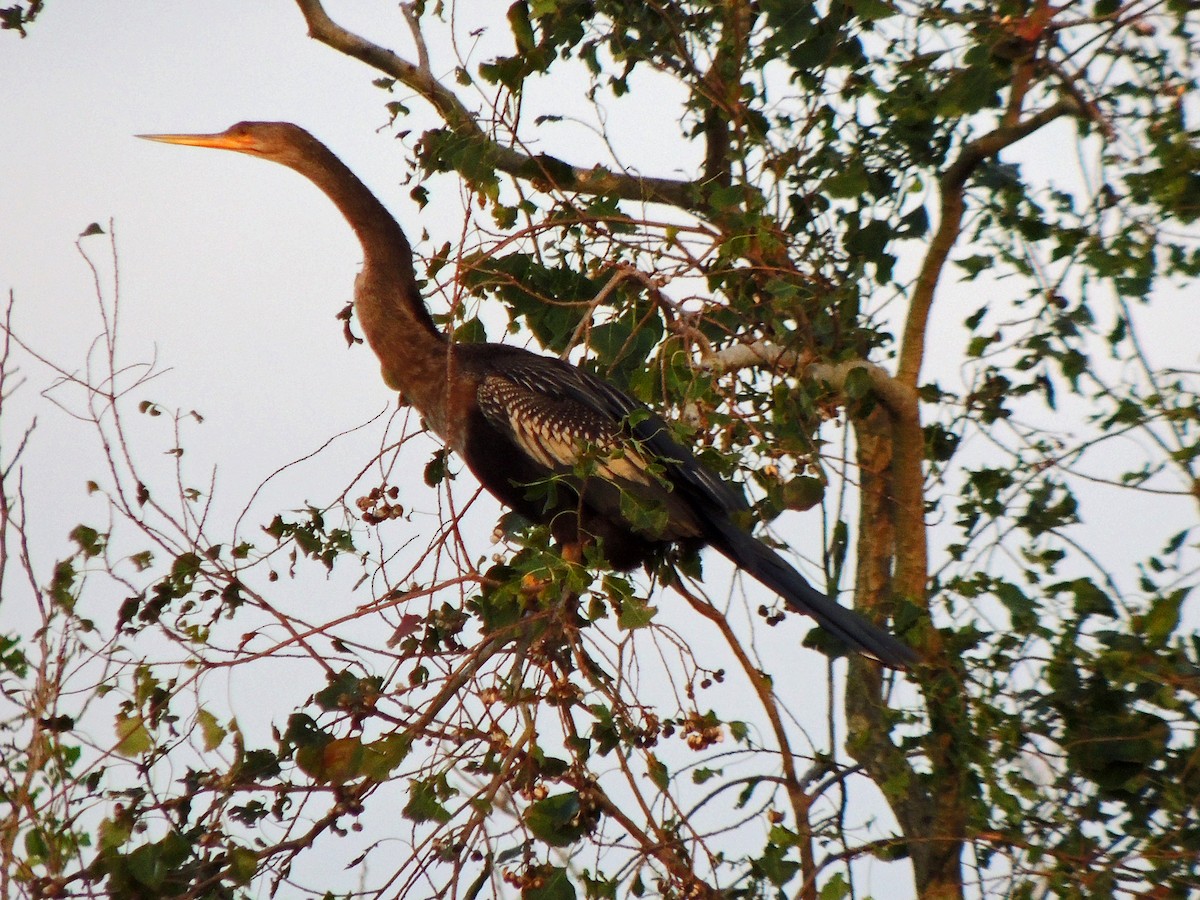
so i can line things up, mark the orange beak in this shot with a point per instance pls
(223, 141)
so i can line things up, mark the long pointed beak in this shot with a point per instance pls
(223, 141)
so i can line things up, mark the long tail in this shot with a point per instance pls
(768, 567)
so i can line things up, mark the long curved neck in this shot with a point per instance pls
(412, 352)
(385, 248)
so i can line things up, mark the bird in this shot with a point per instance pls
(548, 439)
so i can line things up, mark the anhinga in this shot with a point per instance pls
(518, 418)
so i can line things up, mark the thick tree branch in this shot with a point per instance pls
(555, 172)
(899, 398)
(952, 188)
(869, 740)
(893, 557)
(892, 529)
(722, 85)
(930, 808)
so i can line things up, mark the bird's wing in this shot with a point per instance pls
(644, 436)
(555, 412)
(557, 432)
(619, 481)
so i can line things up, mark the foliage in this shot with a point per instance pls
(15, 18)
(525, 724)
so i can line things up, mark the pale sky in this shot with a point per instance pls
(231, 271)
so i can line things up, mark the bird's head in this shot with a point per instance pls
(280, 142)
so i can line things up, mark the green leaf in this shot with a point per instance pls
(858, 383)
(659, 774)
(847, 183)
(91, 542)
(1089, 599)
(62, 583)
(186, 567)
(554, 884)
(243, 864)
(132, 737)
(1020, 607)
(836, 888)
(803, 492)
(870, 11)
(211, 729)
(35, 846)
(425, 801)
(334, 761)
(535, 293)
(1160, 622)
(776, 866)
(522, 29)
(114, 833)
(557, 820)
(147, 866)
(973, 265)
(346, 690)
(703, 774)
(435, 469)
(605, 733)
(635, 613)
(382, 757)
(624, 343)
(647, 516)
(471, 331)
(154, 864)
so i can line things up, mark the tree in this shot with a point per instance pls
(547, 727)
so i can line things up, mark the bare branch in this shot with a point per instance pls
(555, 172)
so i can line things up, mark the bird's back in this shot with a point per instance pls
(560, 445)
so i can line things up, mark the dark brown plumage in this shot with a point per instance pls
(519, 419)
